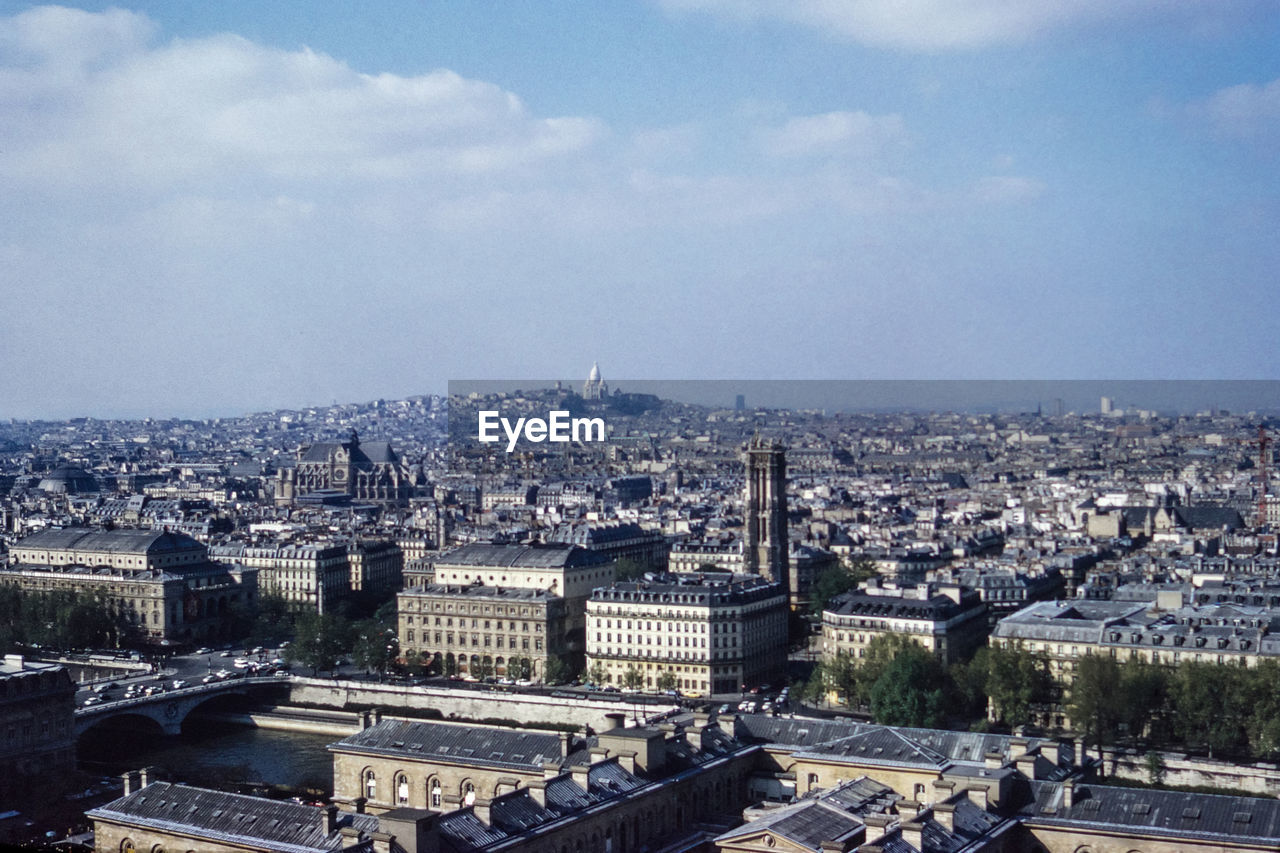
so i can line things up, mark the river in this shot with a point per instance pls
(216, 755)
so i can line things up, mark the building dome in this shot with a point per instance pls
(594, 375)
(69, 480)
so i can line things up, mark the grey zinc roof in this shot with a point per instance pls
(831, 816)
(231, 818)
(478, 745)
(828, 738)
(122, 541)
(539, 556)
(1211, 817)
(516, 812)
(879, 745)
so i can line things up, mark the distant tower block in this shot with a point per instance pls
(594, 388)
(1107, 406)
(766, 550)
(739, 403)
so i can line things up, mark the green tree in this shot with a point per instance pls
(1144, 689)
(1209, 700)
(1015, 681)
(633, 679)
(627, 569)
(1263, 702)
(1095, 706)
(839, 579)
(597, 675)
(666, 681)
(374, 645)
(1154, 762)
(555, 671)
(908, 691)
(320, 641)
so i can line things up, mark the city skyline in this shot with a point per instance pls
(220, 210)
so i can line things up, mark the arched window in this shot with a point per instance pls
(370, 785)
(436, 794)
(468, 793)
(126, 846)
(402, 790)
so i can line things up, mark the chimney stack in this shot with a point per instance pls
(598, 754)
(1068, 793)
(537, 791)
(482, 808)
(945, 814)
(581, 776)
(978, 796)
(566, 742)
(329, 819)
(627, 760)
(551, 770)
(360, 803)
(130, 782)
(913, 833)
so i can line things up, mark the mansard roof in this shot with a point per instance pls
(279, 825)
(553, 555)
(120, 541)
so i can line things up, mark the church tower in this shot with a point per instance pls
(767, 545)
(594, 388)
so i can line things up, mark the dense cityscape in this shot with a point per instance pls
(718, 629)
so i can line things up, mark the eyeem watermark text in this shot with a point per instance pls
(558, 426)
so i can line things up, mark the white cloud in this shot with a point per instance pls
(852, 133)
(88, 99)
(949, 24)
(1247, 111)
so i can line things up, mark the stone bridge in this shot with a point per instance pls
(170, 708)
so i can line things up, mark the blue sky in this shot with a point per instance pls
(211, 208)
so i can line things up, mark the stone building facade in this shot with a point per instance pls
(479, 630)
(37, 732)
(314, 574)
(160, 586)
(947, 620)
(714, 633)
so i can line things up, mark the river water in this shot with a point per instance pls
(216, 755)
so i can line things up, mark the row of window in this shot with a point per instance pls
(475, 623)
(487, 640)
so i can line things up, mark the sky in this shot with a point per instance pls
(215, 208)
